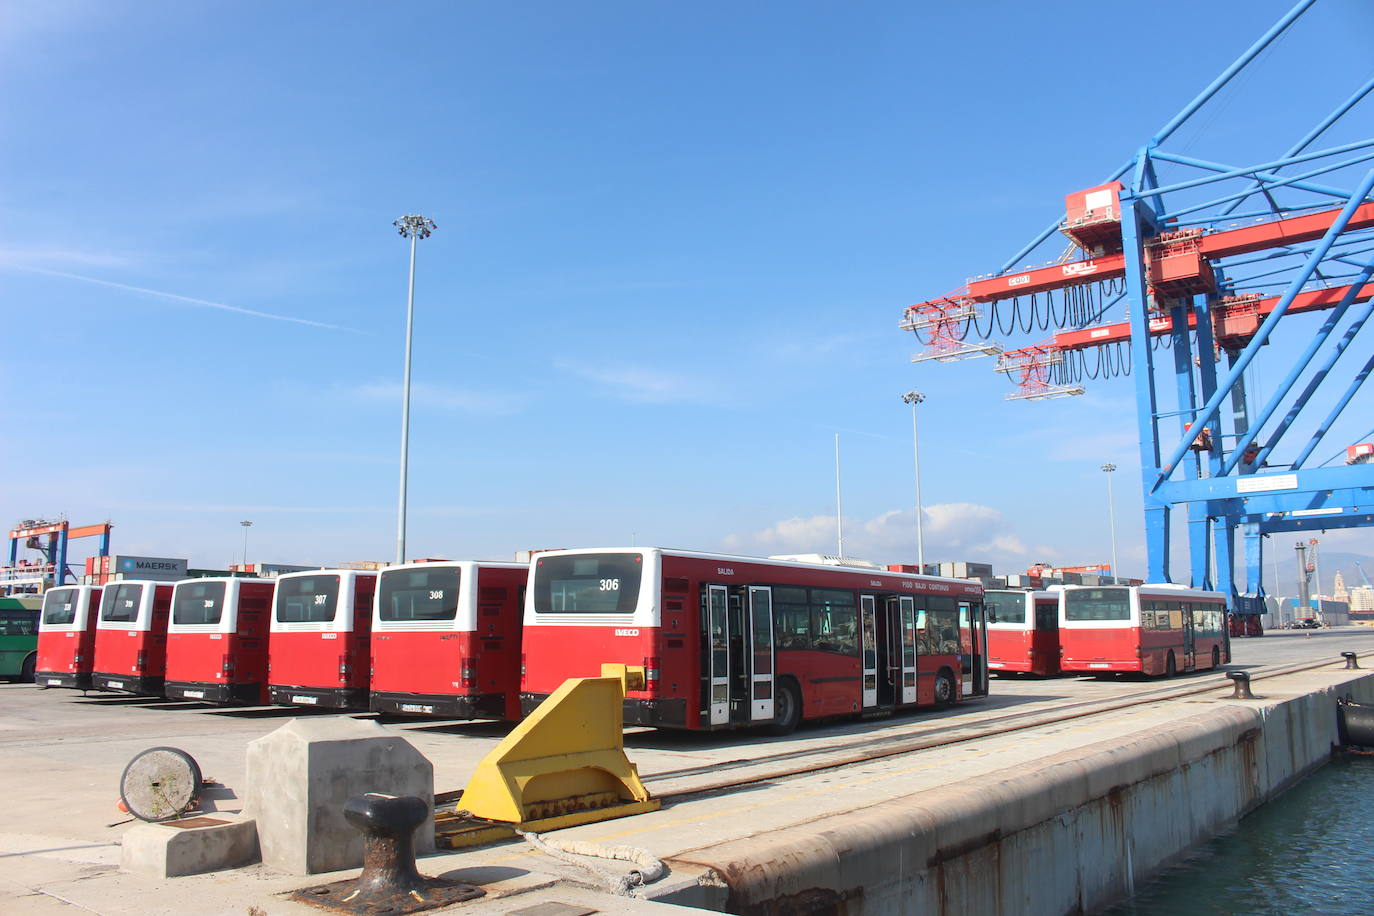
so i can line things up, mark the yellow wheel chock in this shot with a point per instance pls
(564, 765)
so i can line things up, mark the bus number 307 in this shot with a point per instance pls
(610, 585)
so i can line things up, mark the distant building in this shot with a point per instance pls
(1339, 591)
(1362, 599)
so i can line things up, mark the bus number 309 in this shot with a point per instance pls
(610, 585)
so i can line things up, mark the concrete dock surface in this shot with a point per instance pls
(63, 755)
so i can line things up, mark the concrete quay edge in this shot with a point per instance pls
(1071, 835)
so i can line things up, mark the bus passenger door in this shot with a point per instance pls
(1189, 639)
(718, 670)
(761, 654)
(907, 612)
(973, 649)
(868, 625)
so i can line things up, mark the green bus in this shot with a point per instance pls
(19, 636)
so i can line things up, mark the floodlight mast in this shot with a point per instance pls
(913, 398)
(413, 227)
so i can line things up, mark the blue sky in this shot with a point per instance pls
(674, 244)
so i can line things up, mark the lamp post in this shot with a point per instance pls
(913, 398)
(246, 525)
(413, 227)
(839, 506)
(1109, 468)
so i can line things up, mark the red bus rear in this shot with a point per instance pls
(446, 640)
(733, 642)
(217, 641)
(321, 639)
(131, 637)
(1143, 629)
(66, 637)
(1023, 631)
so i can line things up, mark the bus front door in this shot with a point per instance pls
(761, 654)
(717, 670)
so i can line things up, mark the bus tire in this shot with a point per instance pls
(944, 688)
(26, 670)
(787, 711)
(1216, 657)
(1170, 666)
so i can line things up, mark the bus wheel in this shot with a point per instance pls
(26, 670)
(944, 688)
(1170, 668)
(1216, 657)
(787, 711)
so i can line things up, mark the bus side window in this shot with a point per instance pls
(792, 618)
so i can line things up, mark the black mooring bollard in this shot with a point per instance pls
(1242, 685)
(1351, 660)
(390, 882)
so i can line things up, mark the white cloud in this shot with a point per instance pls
(24, 258)
(952, 531)
(641, 385)
(443, 397)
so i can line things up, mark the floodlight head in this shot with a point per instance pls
(1109, 467)
(913, 397)
(413, 225)
(246, 524)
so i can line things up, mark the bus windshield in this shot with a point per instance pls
(1005, 607)
(59, 606)
(307, 599)
(1089, 604)
(120, 603)
(198, 602)
(588, 583)
(419, 594)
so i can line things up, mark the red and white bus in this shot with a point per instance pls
(66, 637)
(131, 637)
(321, 634)
(1147, 629)
(733, 642)
(1023, 631)
(217, 641)
(446, 639)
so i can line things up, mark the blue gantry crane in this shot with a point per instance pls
(1210, 266)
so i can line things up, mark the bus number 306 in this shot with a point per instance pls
(610, 585)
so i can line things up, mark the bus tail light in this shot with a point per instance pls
(76, 659)
(468, 672)
(227, 664)
(651, 673)
(140, 660)
(522, 659)
(345, 669)
(1138, 653)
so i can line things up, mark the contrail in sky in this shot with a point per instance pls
(206, 303)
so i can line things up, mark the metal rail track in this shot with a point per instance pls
(833, 756)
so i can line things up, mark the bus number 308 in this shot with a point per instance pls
(610, 585)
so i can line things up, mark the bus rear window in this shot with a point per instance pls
(120, 603)
(198, 603)
(1005, 607)
(1091, 604)
(606, 583)
(419, 594)
(59, 606)
(307, 599)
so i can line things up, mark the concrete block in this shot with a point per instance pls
(300, 775)
(189, 847)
